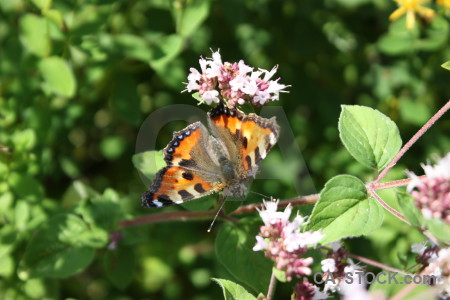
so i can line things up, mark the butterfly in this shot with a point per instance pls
(200, 163)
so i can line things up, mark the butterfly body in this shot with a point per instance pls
(199, 164)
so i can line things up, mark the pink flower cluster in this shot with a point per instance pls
(235, 83)
(282, 241)
(432, 193)
(435, 262)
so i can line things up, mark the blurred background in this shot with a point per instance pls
(78, 78)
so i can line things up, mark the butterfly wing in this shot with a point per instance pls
(258, 136)
(247, 138)
(190, 173)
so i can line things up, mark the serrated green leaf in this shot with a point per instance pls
(446, 65)
(58, 76)
(34, 34)
(119, 266)
(439, 229)
(233, 291)
(60, 248)
(193, 16)
(370, 137)
(408, 209)
(149, 162)
(344, 210)
(234, 244)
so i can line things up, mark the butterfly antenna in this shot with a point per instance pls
(262, 195)
(222, 200)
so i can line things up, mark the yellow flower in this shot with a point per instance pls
(444, 3)
(410, 7)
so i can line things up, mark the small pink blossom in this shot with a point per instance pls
(304, 290)
(439, 266)
(282, 241)
(328, 265)
(432, 193)
(235, 83)
(418, 248)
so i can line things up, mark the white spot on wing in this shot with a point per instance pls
(273, 139)
(157, 203)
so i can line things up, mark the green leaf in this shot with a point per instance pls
(43, 4)
(61, 247)
(233, 291)
(234, 244)
(119, 265)
(436, 35)
(197, 97)
(398, 40)
(408, 209)
(25, 186)
(414, 112)
(344, 210)
(102, 212)
(21, 215)
(6, 266)
(193, 16)
(35, 34)
(370, 137)
(446, 65)
(55, 16)
(133, 46)
(58, 76)
(149, 162)
(280, 275)
(24, 140)
(165, 50)
(439, 229)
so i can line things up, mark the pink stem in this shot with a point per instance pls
(414, 139)
(376, 264)
(387, 207)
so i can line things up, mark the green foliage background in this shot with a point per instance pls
(78, 78)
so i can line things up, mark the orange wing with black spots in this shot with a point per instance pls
(248, 138)
(258, 136)
(185, 176)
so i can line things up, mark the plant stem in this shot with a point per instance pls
(309, 199)
(414, 139)
(387, 207)
(391, 184)
(165, 217)
(272, 286)
(377, 264)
